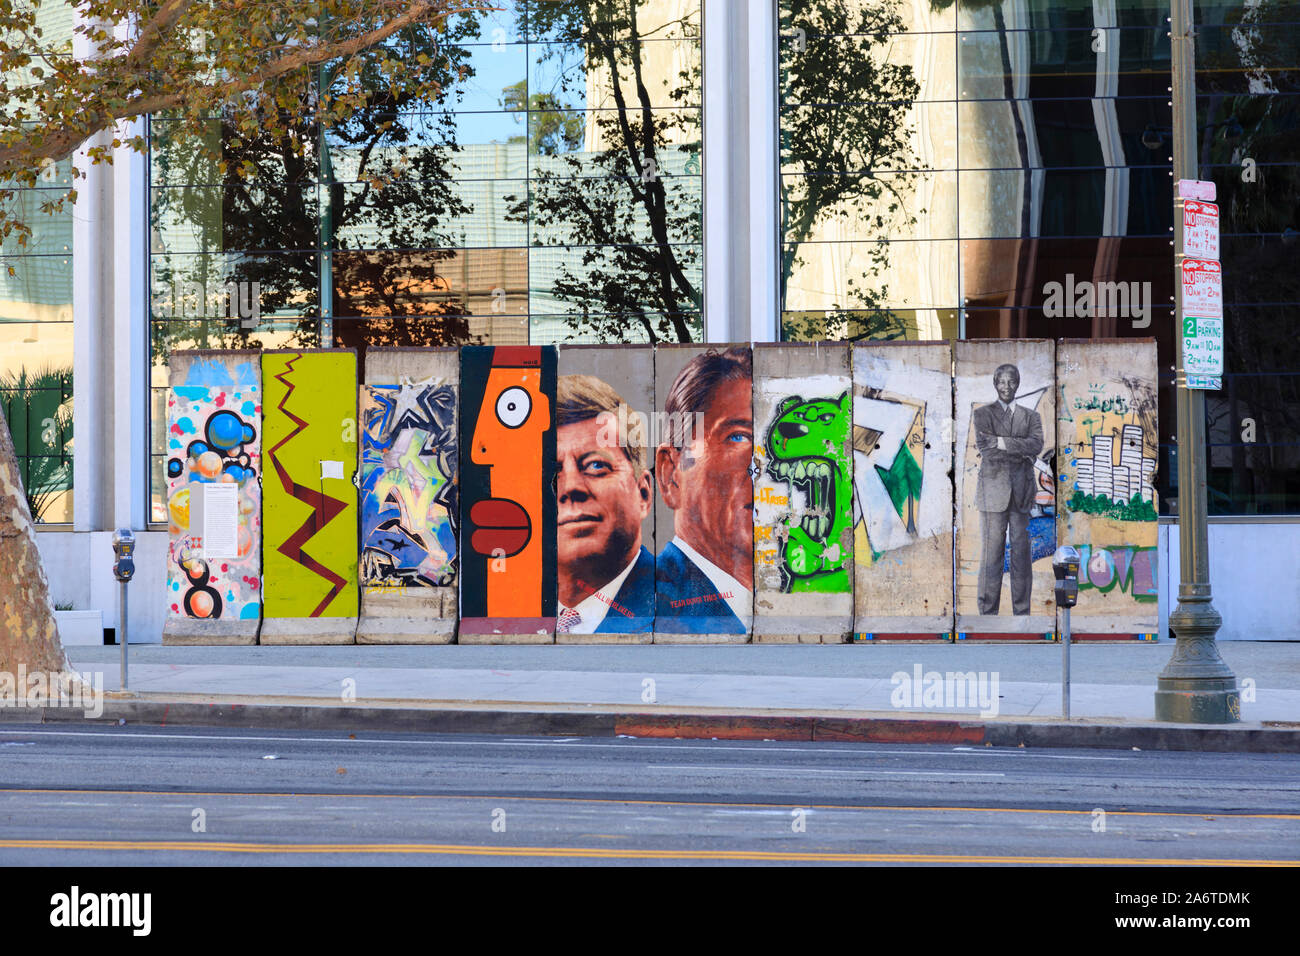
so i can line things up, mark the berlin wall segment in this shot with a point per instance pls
(677, 494)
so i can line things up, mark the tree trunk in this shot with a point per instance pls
(28, 634)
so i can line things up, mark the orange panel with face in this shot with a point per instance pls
(508, 437)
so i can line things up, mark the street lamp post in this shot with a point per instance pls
(1196, 685)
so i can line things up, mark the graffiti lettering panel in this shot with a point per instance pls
(803, 493)
(508, 582)
(902, 453)
(604, 490)
(704, 523)
(214, 439)
(310, 443)
(1005, 420)
(1108, 448)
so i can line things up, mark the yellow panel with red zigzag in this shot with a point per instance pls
(309, 446)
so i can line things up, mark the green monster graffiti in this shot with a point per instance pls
(807, 444)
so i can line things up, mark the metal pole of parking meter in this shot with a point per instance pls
(121, 630)
(1065, 664)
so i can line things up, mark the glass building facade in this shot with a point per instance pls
(551, 192)
(36, 327)
(941, 165)
(944, 163)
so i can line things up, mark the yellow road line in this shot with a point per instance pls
(648, 803)
(606, 853)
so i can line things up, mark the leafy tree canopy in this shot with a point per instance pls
(255, 63)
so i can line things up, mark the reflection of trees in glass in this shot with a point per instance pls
(843, 116)
(635, 229)
(37, 404)
(551, 129)
(1262, 343)
(384, 224)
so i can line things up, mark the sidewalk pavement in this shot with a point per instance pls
(686, 690)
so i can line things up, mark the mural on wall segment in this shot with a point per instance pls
(1005, 398)
(310, 525)
(1108, 445)
(409, 510)
(704, 571)
(902, 437)
(803, 493)
(805, 450)
(508, 508)
(605, 493)
(213, 411)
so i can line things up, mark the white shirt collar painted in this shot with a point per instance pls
(593, 608)
(741, 600)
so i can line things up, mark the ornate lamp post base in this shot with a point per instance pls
(1197, 686)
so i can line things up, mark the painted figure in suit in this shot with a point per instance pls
(705, 574)
(1009, 438)
(606, 577)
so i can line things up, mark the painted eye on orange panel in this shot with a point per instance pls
(513, 406)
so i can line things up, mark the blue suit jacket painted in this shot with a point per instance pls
(636, 596)
(687, 602)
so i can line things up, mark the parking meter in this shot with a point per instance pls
(123, 554)
(1065, 565)
(123, 569)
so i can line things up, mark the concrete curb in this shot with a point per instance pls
(554, 721)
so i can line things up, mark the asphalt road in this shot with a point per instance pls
(182, 796)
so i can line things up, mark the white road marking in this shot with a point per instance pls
(858, 773)
(575, 742)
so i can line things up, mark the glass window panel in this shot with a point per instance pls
(36, 402)
(187, 286)
(454, 327)
(502, 25)
(614, 329)
(858, 137)
(1262, 268)
(1065, 133)
(185, 219)
(431, 282)
(1006, 284)
(1057, 63)
(615, 279)
(569, 76)
(859, 69)
(51, 232)
(415, 214)
(831, 208)
(1231, 128)
(840, 17)
(605, 21)
(878, 324)
(496, 81)
(274, 216)
(862, 276)
(177, 157)
(997, 204)
(594, 211)
(388, 146)
(40, 290)
(168, 336)
(1262, 475)
(597, 142)
(1253, 56)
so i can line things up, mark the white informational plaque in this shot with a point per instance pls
(220, 519)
